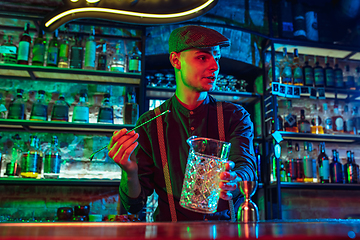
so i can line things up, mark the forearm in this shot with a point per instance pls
(130, 184)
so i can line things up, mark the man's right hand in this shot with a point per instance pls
(121, 147)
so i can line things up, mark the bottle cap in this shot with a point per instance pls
(41, 92)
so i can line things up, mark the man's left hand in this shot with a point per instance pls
(229, 181)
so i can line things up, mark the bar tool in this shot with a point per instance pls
(248, 211)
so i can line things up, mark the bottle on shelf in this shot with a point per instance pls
(299, 164)
(39, 108)
(337, 120)
(283, 176)
(106, 111)
(131, 112)
(102, 63)
(329, 74)
(348, 126)
(350, 169)
(316, 122)
(303, 124)
(277, 69)
(308, 73)
(53, 51)
(38, 50)
(338, 74)
(308, 164)
(351, 122)
(9, 51)
(286, 72)
(319, 78)
(64, 50)
(60, 111)
(297, 70)
(258, 161)
(291, 165)
(81, 110)
(322, 168)
(134, 59)
(24, 46)
(31, 161)
(17, 106)
(349, 78)
(118, 60)
(90, 51)
(52, 160)
(290, 123)
(328, 126)
(272, 164)
(336, 169)
(12, 161)
(77, 53)
(299, 20)
(280, 122)
(3, 109)
(356, 120)
(357, 78)
(313, 157)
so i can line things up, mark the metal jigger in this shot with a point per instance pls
(248, 211)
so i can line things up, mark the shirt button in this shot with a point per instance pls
(192, 128)
(191, 112)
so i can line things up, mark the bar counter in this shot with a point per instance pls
(297, 229)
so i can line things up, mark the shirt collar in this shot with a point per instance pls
(185, 111)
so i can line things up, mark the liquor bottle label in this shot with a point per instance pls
(16, 111)
(330, 81)
(9, 54)
(290, 119)
(64, 50)
(117, 69)
(8, 49)
(76, 57)
(60, 113)
(304, 128)
(309, 77)
(350, 81)
(328, 124)
(39, 112)
(90, 54)
(81, 114)
(24, 48)
(106, 115)
(325, 170)
(38, 53)
(134, 65)
(31, 163)
(319, 76)
(308, 168)
(52, 57)
(339, 124)
(286, 75)
(339, 81)
(298, 76)
(52, 163)
(2, 109)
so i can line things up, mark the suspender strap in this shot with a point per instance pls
(165, 165)
(221, 128)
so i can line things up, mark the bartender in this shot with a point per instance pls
(194, 54)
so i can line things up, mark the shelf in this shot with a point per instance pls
(88, 128)
(60, 182)
(320, 137)
(236, 97)
(68, 75)
(319, 186)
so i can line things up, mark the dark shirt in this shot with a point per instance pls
(179, 125)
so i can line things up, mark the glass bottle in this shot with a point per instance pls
(77, 53)
(53, 51)
(102, 59)
(12, 161)
(308, 164)
(356, 120)
(3, 109)
(336, 169)
(357, 78)
(118, 60)
(131, 113)
(286, 73)
(338, 74)
(60, 111)
(313, 155)
(337, 120)
(348, 126)
(283, 175)
(308, 73)
(299, 164)
(277, 69)
(64, 51)
(9, 51)
(258, 161)
(328, 126)
(90, 51)
(319, 78)
(350, 169)
(291, 168)
(323, 165)
(52, 160)
(39, 49)
(106, 111)
(24, 46)
(81, 110)
(39, 108)
(303, 124)
(349, 78)
(134, 59)
(290, 123)
(31, 162)
(316, 123)
(17, 106)
(351, 126)
(329, 74)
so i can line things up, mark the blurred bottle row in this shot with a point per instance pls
(307, 165)
(67, 51)
(308, 71)
(39, 109)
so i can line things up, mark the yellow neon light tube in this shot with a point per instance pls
(123, 12)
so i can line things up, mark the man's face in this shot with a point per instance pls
(199, 68)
